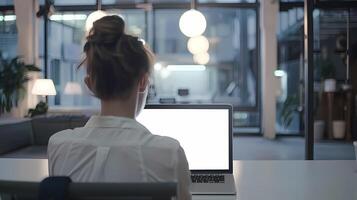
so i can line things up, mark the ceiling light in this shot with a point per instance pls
(68, 17)
(192, 23)
(198, 44)
(201, 58)
(186, 67)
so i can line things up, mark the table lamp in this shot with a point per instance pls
(42, 87)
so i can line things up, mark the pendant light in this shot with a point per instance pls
(94, 16)
(201, 58)
(192, 22)
(198, 44)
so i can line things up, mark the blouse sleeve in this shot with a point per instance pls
(183, 176)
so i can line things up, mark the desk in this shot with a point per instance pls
(255, 180)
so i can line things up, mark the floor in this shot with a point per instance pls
(288, 148)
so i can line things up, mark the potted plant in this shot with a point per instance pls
(319, 122)
(289, 108)
(339, 129)
(13, 76)
(328, 74)
(319, 129)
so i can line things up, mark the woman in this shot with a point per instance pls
(114, 147)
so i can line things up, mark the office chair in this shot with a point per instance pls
(91, 191)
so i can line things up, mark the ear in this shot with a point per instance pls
(143, 82)
(88, 82)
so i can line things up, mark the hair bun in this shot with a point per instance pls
(107, 30)
(115, 61)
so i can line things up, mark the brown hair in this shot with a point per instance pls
(115, 60)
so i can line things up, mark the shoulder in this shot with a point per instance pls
(165, 141)
(63, 135)
(164, 144)
(158, 140)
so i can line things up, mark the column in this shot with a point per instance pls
(269, 61)
(27, 29)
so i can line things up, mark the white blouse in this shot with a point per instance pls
(118, 149)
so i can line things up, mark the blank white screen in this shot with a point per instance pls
(202, 133)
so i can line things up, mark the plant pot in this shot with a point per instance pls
(339, 129)
(330, 85)
(319, 129)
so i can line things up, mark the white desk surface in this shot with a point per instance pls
(255, 180)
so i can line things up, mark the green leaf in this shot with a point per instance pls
(13, 76)
(288, 110)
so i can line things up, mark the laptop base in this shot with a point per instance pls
(226, 188)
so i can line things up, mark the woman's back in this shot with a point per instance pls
(114, 147)
(117, 149)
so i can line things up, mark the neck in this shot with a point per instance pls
(119, 108)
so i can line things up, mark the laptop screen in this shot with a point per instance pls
(202, 132)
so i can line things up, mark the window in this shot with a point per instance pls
(8, 33)
(230, 76)
(66, 33)
(232, 72)
(6, 3)
(290, 65)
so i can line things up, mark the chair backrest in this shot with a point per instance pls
(93, 191)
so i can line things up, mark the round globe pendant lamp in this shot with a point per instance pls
(192, 22)
(198, 44)
(201, 58)
(94, 16)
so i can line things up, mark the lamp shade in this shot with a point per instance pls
(198, 44)
(72, 88)
(94, 16)
(201, 58)
(192, 23)
(44, 87)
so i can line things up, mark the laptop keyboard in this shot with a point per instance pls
(207, 178)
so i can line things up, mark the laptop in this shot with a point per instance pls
(205, 133)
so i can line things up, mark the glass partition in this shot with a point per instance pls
(335, 83)
(334, 79)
